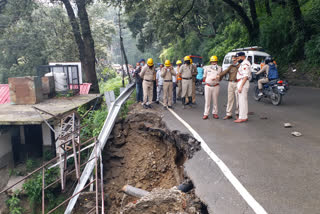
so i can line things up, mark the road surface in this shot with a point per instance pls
(280, 171)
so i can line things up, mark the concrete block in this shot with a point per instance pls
(25, 90)
(109, 96)
(48, 87)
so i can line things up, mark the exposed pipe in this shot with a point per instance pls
(134, 191)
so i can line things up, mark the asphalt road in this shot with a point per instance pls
(282, 172)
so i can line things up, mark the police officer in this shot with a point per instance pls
(147, 74)
(186, 75)
(232, 70)
(194, 78)
(211, 78)
(166, 73)
(243, 75)
(179, 79)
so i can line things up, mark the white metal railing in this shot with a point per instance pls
(102, 139)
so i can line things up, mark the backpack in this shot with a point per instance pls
(273, 72)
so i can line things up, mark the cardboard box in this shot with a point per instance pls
(25, 90)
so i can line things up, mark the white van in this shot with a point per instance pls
(254, 54)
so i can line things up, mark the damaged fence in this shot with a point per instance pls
(70, 142)
(101, 141)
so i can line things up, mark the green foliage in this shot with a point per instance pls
(31, 164)
(112, 85)
(14, 204)
(107, 73)
(312, 50)
(33, 186)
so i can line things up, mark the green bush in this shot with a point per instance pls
(13, 204)
(33, 186)
(312, 50)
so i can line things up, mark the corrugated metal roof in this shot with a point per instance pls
(85, 88)
(5, 93)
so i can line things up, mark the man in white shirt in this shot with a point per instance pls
(243, 75)
(211, 78)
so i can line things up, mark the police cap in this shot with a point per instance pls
(240, 54)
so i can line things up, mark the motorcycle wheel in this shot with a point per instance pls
(276, 97)
(256, 92)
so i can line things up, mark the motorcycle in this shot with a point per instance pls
(200, 87)
(273, 90)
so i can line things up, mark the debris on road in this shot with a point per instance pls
(251, 113)
(146, 155)
(296, 134)
(263, 118)
(287, 125)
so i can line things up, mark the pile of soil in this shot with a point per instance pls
(143, 153)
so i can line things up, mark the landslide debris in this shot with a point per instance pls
(143, 153)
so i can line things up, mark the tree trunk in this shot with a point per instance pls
(85, 44)
(267, 5)
(255, 21)
(244, 18)
(89, 64)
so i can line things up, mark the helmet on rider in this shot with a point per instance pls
(268, 59)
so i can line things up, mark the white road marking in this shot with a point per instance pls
(257, 208)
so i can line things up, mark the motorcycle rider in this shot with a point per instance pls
(268, 64)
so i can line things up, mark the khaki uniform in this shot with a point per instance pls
(265, 79)
(243, 71)
(212, 88)
(186, 75)
(232, 70)
(194, 75)
(147, 74)
(166, 74)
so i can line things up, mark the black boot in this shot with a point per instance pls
(183, 100)
(190, 101)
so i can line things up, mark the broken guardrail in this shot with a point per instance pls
(102, 139)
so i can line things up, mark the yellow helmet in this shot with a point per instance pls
(187, 58)
(167, 63)
(214, 59)
(178, 62)
(190, 61)
(150, 62)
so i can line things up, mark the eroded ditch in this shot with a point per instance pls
(143, 153)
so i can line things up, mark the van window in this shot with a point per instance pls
(258, 59)
(249, 58)
(227, 60)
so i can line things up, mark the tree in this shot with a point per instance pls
(252, 26)
(84, 41)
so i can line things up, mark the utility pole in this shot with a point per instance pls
(123, 52)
